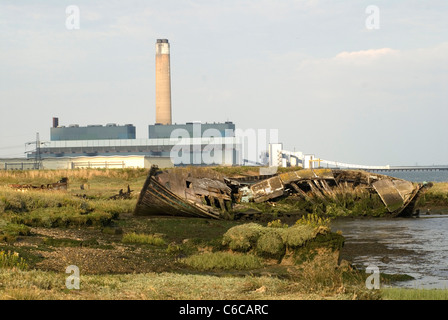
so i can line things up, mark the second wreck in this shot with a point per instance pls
(205, 192)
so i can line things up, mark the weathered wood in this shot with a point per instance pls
(300, 191)
(328, 189)
(315, 190)
(201, 192)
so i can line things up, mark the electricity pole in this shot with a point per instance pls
(37, 152)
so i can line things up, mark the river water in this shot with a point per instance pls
(419, 176)
(414, 246)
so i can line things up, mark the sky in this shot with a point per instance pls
(336, 79)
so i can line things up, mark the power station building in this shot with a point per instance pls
(192, 143)
(91, 132)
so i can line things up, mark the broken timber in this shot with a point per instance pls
(60, 185)
(204, 192)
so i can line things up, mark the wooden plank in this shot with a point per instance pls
(388, 194)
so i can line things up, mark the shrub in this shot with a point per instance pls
(12, 260)
(270, 245)
(243, 237)
(298, 234)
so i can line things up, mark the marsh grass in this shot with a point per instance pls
(63, 218)
(222, 261)
(143, 239)
(247, 170)
(187, 236)
(52, 209)
(10, 232)
(414, 294)
(39, 177)
(66, 242)
(436, 195)
(36, 285)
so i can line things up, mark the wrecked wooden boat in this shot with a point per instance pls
(189, 192)
(204, 192)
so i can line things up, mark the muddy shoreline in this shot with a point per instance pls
(412, 246)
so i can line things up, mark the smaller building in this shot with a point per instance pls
(113, 162)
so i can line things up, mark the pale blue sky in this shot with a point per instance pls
(310, 69)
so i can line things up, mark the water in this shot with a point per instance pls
(419, 176)
(414, 246)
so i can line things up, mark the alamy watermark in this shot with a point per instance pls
(218, 147)
(373, 20)
(72, 281)
(73, 19)
(373, 281)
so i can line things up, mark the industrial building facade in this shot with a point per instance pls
(191, 143)
(92, 132)
(182, 151)
(192, 129)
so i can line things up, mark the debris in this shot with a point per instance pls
(262, 289)
(203, 192)
(122, 195)
(60, 185)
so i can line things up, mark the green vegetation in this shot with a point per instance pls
(10, 231)
(122, 256)
(276, 241)
(247, 170)
(15, 229)
(223, 261)
(277, 224)
(12, 260)
(314, 220)
(66, 242)
(62, 209)
(143, 239)
(270, 245)
(435, 196)
(243, 238)
(35, 284)
(298, 234)
(360, 202)
(414, 294)
(63, 218)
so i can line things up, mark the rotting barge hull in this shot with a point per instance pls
(204, 192)
(188, 192)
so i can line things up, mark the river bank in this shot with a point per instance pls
(122, 256)
(407, 246)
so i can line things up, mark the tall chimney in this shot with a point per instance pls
(163, 82)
